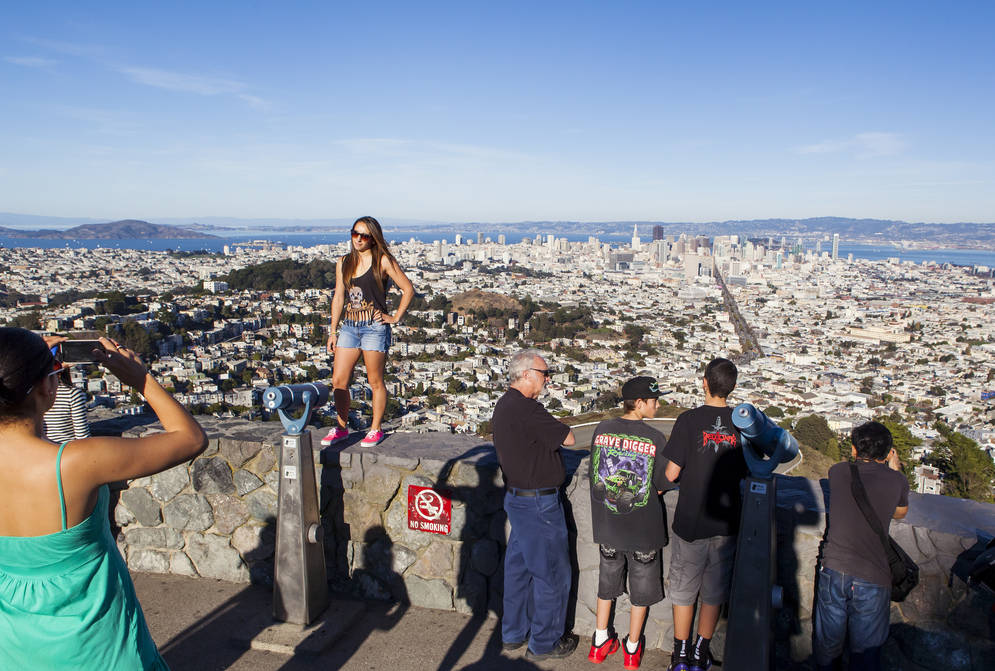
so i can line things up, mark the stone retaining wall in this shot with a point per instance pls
(214, 517)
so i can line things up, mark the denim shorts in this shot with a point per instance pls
(369, 336)
(645, 575)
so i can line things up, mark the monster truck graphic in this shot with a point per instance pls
(717, 437)
(619, 489)
(621, 470)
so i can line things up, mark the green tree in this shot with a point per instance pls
(28, 320)
(968, 470)
(774, 411)
(813, 431)
(904, 442)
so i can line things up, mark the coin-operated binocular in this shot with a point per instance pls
(754, 596)
(300, 584)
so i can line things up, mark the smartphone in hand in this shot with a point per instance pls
(79, 351)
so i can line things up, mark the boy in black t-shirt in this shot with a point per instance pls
(705, 452)
(627, 516)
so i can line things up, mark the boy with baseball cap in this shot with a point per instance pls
(628, 517)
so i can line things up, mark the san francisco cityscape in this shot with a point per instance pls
(841, 340)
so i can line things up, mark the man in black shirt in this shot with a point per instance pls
(705, 452)
(536, 562)
(854, 591)
(628, 517)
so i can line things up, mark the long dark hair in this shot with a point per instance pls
(24, 359)
(379, 249)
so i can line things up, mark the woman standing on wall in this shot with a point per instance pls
(362, 278)
(66, 597)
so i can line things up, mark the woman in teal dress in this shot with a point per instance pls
(66, 598)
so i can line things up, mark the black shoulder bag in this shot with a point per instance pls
(904, 571)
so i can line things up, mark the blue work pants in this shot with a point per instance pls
(536, 571)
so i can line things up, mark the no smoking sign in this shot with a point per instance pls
(429, 510)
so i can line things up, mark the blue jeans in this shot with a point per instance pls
(536, 571)
(369, 336)
(845, 604)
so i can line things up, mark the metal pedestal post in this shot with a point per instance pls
(300, 585)
(750, 638)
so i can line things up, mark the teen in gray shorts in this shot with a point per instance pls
(705, 454)
(701, 567)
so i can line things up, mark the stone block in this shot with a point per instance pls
(396, 524)
(471, 593)
(495, 529)
(180, 564)
(212, 447)
(212, 476)
(264, 461)
(457, 523)
(435, 561)
(140, 537)
(229, 513)
(123, 516)
(923, 543)
(359, 514)
(402, 463)
(273, 480)
(141, 504)
(485, 556)
(238, 451)
(947, 544)
(214, 557)
(253, 542)
(262, 505)
(369, 586)
(429, 593)
(403, 558)
(380, 483)
(164, 486)
(148, 561)
(190, 512)
(246, 482)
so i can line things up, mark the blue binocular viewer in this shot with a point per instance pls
(310, 396)
(762, 436)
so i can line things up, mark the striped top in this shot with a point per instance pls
(66, 419)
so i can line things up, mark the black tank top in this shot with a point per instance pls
(364, 296)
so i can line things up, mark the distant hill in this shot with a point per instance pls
(115, 230)
(475, 299)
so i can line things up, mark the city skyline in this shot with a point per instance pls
(507, 113)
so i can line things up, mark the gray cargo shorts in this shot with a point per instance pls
(702, 566)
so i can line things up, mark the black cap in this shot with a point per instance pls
(640, 387)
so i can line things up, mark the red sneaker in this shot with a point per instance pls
(632, 660)
(600, 653)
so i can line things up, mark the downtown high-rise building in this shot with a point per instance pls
(657, 233)
(836, 246)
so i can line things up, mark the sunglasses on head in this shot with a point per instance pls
(365, 237)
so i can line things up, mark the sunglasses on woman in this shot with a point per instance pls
(365, 237)
(56, 369)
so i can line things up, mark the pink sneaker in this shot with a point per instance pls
(334, 436)
(372, 438)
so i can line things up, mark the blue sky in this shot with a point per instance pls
(473, 111)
